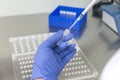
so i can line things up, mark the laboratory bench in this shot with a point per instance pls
(98, 42)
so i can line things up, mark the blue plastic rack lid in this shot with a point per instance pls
(113, 10)
(117, 22)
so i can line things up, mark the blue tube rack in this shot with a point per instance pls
(64, 16)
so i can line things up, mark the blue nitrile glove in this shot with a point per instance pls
(50, 59)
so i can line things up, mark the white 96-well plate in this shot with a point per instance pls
(23, 50)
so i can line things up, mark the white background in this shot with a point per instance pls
(24, 7)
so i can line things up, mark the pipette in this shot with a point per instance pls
(67, 31)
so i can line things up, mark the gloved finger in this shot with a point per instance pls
(68, 37)
(67, 58)
(61, 47)
(70, 48)
(51, 41)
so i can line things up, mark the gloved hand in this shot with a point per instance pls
(50, 58)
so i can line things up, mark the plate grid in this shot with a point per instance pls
(23, 50)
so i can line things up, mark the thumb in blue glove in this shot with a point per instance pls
(50, 58)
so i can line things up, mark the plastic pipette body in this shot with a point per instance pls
(67, 31)
(83, 13)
